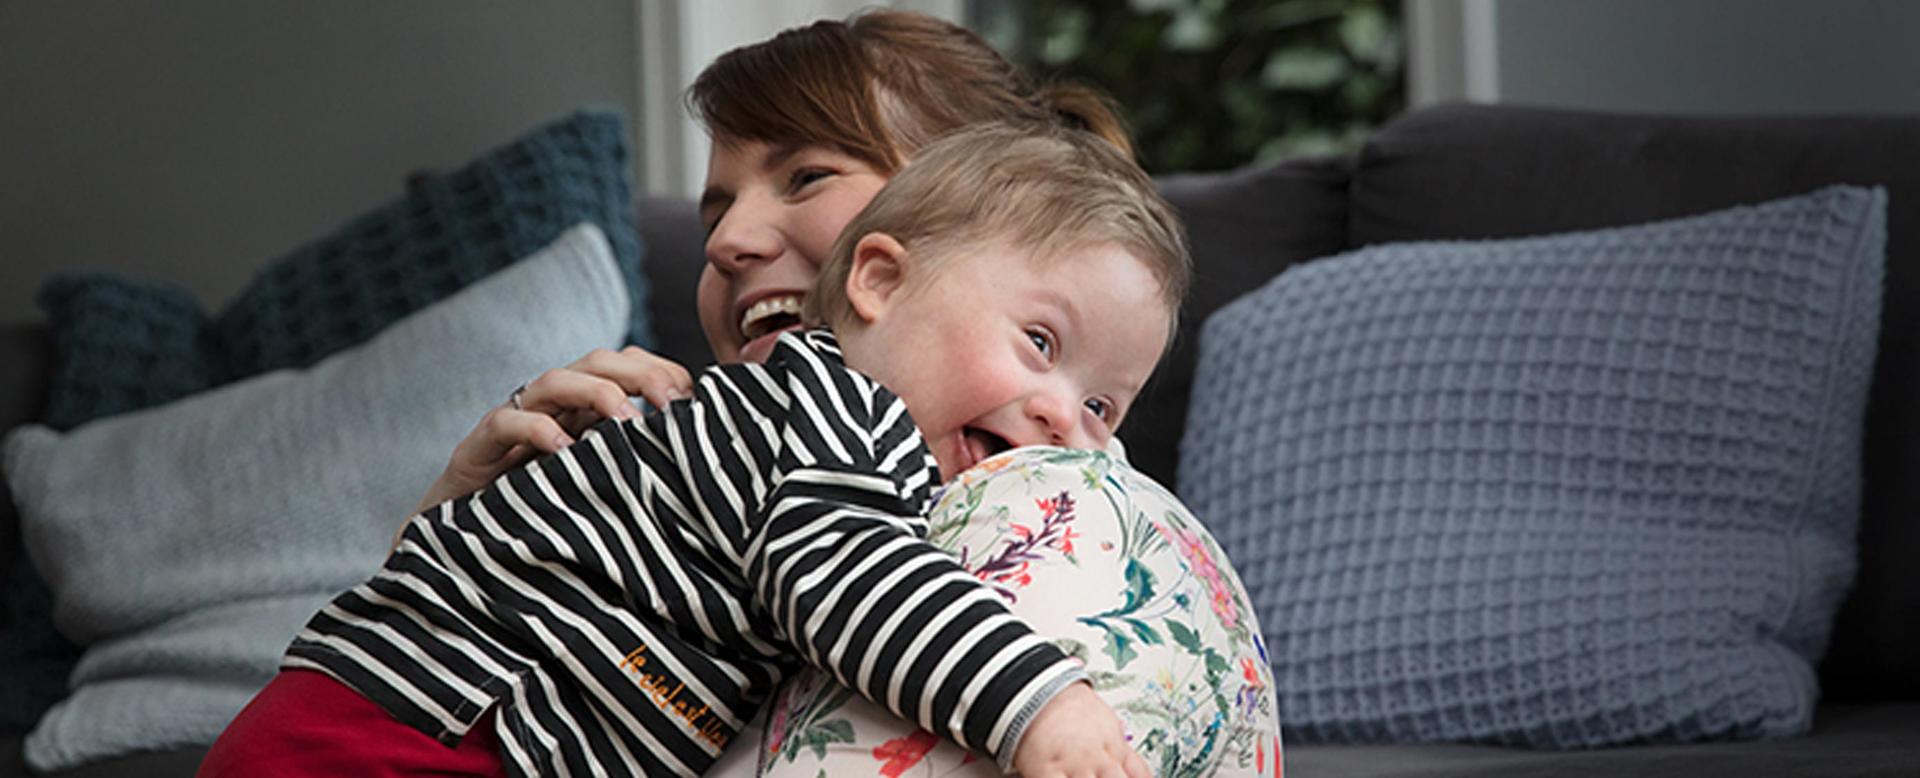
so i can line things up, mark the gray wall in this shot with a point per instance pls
(1710, 56)
(193, 140)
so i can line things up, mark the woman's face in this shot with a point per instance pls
(771, 214)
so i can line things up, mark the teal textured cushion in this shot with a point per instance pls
(121, 345)
(1579, 490)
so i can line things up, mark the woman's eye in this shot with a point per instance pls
(1101, 409)
(804, 176)
(1042, 342)
(710, 216)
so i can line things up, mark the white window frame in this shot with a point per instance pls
(1453, 51)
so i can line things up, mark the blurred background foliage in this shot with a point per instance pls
(1215, 84)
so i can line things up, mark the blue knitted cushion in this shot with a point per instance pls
(122, 345)
(1557, 492)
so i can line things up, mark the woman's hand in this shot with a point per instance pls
(1076, 734)
(554, 408)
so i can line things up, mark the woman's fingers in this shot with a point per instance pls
(554, 408)
(570, 389)
(599, 385)
(639, 373)
(490, 446)
(504, 439)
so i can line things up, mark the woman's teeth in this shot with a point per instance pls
(769, 315)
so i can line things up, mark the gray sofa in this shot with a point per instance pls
(1469, 172)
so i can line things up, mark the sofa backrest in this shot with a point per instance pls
(1467, 172)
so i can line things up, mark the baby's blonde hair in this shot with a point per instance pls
(1046, 189)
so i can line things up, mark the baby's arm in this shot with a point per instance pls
(861, 596)
(842, 565)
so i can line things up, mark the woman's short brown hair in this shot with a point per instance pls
(879, 86)
(997, 186)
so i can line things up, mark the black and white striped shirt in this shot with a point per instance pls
(631, 601)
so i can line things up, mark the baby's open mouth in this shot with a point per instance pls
(771, 315)
(982, 444)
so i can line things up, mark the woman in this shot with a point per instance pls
(807, 126)
(861, 95)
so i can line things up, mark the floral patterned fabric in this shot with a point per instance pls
(1114, 569)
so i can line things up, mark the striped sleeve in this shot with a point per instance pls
(551, 590)
(842, 564)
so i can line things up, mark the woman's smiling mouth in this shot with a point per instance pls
(771, 314)
(763, 321)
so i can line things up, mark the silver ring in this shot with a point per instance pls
(514, 399)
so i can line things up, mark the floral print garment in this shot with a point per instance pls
(1121, 576)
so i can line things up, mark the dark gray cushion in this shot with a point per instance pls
(670, 229)
(1500, 171)
(1246, 226)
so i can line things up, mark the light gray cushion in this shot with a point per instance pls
(1571, 491)
(186, 544)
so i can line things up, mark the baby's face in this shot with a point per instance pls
(996, 351)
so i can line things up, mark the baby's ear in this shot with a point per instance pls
(878, 274)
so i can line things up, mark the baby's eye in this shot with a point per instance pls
(1042, 342)
(1100, 408)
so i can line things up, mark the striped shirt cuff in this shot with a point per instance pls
(1017, 729)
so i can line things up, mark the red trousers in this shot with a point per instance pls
(305, 723)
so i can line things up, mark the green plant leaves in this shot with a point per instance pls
(1215, 84)
(1066, 36)
(1309, 68)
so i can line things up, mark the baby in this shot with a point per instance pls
(626, 605)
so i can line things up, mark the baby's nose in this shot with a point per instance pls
(1059, 418)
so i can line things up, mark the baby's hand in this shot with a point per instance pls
(1075, 735)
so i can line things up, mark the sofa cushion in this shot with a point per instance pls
(1591, 489)
(121, 345)
(186, 544)
(1473, 172)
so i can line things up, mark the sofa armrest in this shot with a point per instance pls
(27, 352)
